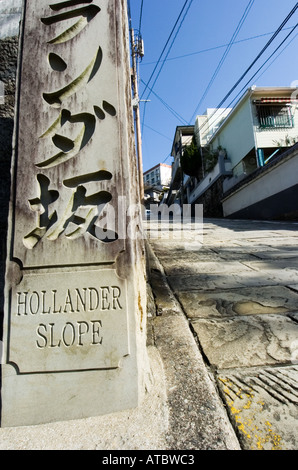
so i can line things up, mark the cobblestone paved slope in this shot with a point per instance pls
(238, 288)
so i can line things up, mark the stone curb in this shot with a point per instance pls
(197, 417)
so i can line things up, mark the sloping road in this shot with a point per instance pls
(237, 284)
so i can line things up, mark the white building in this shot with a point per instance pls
(255, 133)
(262, 122)
(159, 175)
(207, 124)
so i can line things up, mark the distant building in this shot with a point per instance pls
(156, 183)
(183, 136)
(159, 175)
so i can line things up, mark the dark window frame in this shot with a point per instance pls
(275, 116)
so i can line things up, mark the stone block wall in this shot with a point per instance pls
(211, 199)
(8, 67)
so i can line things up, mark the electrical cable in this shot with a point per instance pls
(256, 59)
(147, 85)
(141, 14)
(266, 61)
(260, 68)
(167, 158)
(169, 108)
(144, 64)
(169, 50)
(167, 42)
(278, 56)
(157, 132)
(229, 46)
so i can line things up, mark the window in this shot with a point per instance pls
(274, 116)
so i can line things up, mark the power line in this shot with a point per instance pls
(157, 132)
(141, 14)
(165, 46)
(167, 158)
(147, 85)
(247, 83)
(214, 48)
(169, 108)
(278, 55)
(257, 58)
(169, 50)
(270, 57)
(235, 34)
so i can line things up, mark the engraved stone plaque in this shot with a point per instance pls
(75, 292)
(78, 326)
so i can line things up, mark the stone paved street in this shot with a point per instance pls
(237, 285)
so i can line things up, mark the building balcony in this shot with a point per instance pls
(222, 168)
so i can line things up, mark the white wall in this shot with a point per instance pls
(267, 138)
(237, 136)
(201, 130)
(206, 124)
(279, 178)
(165, 175)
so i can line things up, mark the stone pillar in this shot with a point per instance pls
(75, 292)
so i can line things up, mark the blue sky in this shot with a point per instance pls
(199, 54)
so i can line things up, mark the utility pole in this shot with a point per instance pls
(137, 51)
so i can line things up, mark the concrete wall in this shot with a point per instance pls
(265, 192)
(211, 199)
(237, 136)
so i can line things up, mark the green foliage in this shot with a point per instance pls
(287, 142)
(211, 158)
(190, 159)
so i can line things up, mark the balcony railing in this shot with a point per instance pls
(275, 117)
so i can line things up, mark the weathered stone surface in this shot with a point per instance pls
(263, 405)
(274, 265)
(68, 320)
(228, 281)
(142, 428)
(252, 301)
(279, 254)
(196, 417)
(245, 322)
(187, 267)
(75, 311)
(247, 340)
